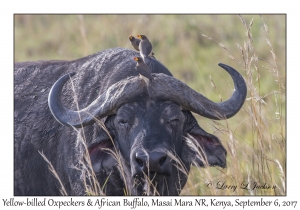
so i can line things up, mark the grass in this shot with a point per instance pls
(191, 46)
(256, 143)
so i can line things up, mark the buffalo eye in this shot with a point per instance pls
(171, 124)
(122, 122)
(173, 121)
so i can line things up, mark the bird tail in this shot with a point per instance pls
(147, 81)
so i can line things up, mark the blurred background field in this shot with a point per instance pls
(191, 46)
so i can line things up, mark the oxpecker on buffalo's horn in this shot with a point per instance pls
(142, 68)
(144, 72)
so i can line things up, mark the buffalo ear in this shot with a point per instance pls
(202, 148)
(101, 150)
(105, 167)
(100, 155)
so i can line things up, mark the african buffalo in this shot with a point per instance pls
(147, 130)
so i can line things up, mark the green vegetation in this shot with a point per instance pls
(191, 46)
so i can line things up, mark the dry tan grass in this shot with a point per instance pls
(258, 153)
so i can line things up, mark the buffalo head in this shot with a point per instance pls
(147, 127)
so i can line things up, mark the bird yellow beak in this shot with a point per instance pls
(136, 59)
(130, 37)
(139, 36)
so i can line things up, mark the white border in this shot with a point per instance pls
(6, 51)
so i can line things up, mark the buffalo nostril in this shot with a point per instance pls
(139, 162)
(162, 160)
